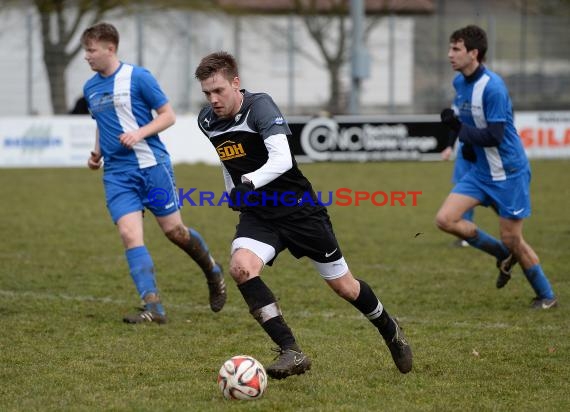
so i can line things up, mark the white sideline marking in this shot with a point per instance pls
(59, 296)
(304, 313)
(95, 299)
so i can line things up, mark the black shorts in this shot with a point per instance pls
(307, 232)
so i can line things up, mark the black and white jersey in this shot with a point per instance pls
(240, 142)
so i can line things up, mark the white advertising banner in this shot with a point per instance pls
(66, 141)
(50, 141)
(544, 134)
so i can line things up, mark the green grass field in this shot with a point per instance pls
(64, 286)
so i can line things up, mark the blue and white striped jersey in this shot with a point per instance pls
(481, 99)
(120, 103)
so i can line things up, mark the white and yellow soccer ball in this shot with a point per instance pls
(242, 377)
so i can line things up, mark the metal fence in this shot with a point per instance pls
(529, 49)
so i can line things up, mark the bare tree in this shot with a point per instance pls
(329, 31)
(60, 22)
(328, 26)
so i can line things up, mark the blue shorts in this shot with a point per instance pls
(510, 197)
(152, 187)
(460, 168)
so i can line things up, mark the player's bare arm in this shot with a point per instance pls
(446, 153)
(164, 119)
(95, 160)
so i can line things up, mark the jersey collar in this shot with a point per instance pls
(475, 75)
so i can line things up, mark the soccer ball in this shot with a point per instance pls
(242, 377)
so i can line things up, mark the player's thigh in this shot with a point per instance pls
(160, 195)
(122, 193)
(512, 197)
(465, 195)
(258, 236)
(130, 228)
(455, 206)
(311, 235)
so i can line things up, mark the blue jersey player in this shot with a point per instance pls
(137, 169)
(482, 118)
(461, 166)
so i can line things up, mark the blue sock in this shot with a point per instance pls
(487, 243)
(469, 215)
(194, 234)
(198, 250)
(155, 307)
(539, 282)
(142, 270)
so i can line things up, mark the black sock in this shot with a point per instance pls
(370, 306)
(263, 307)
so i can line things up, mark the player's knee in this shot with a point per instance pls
(443, 221)
(239, 272)
(510, 240)
(178, 234)
(347, 294)
(346, 288)
(129, 236)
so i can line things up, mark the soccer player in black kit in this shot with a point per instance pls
(278, 210)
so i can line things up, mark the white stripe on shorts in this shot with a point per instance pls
(331, 270)
(263, 251)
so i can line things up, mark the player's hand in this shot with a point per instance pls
(468, 152)
(130, 139)
(241, 195)
(446, 153)
(449, 118)
(95, 161)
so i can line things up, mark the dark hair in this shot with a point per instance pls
(474, 37)
(101, 32)
(217, 62)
